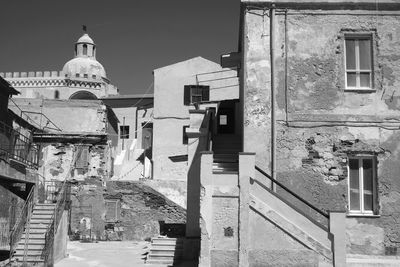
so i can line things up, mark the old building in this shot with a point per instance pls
(29, 228)
(318, 98)
(18, 160)
(176, 88)
(132, 145)
(313, 180)
(82, 77)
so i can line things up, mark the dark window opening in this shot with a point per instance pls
(56, 94)
(124, 131)
(85, 76)
(77, 75)
(84, 52)
(185, 138)
(196, 94)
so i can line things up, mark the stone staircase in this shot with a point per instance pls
(226, 148)
(165, 251)
(40, 220)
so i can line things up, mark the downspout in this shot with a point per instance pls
(273, 120)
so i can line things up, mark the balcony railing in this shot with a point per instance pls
(16, 146)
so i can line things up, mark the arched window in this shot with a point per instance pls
(84, 49)
(83, 95)
(56, 94)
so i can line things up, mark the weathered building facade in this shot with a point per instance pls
(176, 88)
(319, 91)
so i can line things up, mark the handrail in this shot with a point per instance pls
(19, 146)
(326, 215)
(42, 114)
(55, 220)
(58, 210)
(30, 119)
(18, 228)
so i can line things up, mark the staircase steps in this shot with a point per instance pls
(40, 220)
(225, 163)
(164, 250)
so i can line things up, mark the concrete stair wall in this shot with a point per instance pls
(164, 250)
(40, 220)
(290, 220)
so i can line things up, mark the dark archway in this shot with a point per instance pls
(83, 95)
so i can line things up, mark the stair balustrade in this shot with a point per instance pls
(23, 220)
(318, 216)
(61, 204)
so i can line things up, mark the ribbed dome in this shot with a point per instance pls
(82, 66)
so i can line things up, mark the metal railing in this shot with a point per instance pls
(62, 200)
(14, 145)
(298, 203)
(23, 115)
(20, 225)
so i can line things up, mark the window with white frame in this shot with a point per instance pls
(362, 185)
(358, 61)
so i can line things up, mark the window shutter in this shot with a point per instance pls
(82, 157)
(186, 95)
(205, 93)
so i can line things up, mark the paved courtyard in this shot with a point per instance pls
(104, 254)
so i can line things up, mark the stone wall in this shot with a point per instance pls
(141, 209)
(320, 123)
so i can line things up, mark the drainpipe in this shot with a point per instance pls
(273, 120)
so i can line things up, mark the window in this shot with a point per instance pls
(358, 61)
(112, 210)
(56, 94)
(196, 94)
(362, 185)
(124, 131)
(84, 49)
(82, 158)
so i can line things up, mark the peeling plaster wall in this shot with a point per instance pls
(325, 123)
(58, 158)
(88, 116)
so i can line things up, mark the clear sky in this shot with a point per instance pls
(132, 37)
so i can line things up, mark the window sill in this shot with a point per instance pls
(360, 90)
(364, 215)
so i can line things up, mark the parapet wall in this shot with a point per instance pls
(33, 74)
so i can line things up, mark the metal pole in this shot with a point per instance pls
(273, 120)
(123, 132)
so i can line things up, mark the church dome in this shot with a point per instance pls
(84, 65)
(85, 68)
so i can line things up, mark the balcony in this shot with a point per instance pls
(15, 146)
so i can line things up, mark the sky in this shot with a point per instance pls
(133, 37)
